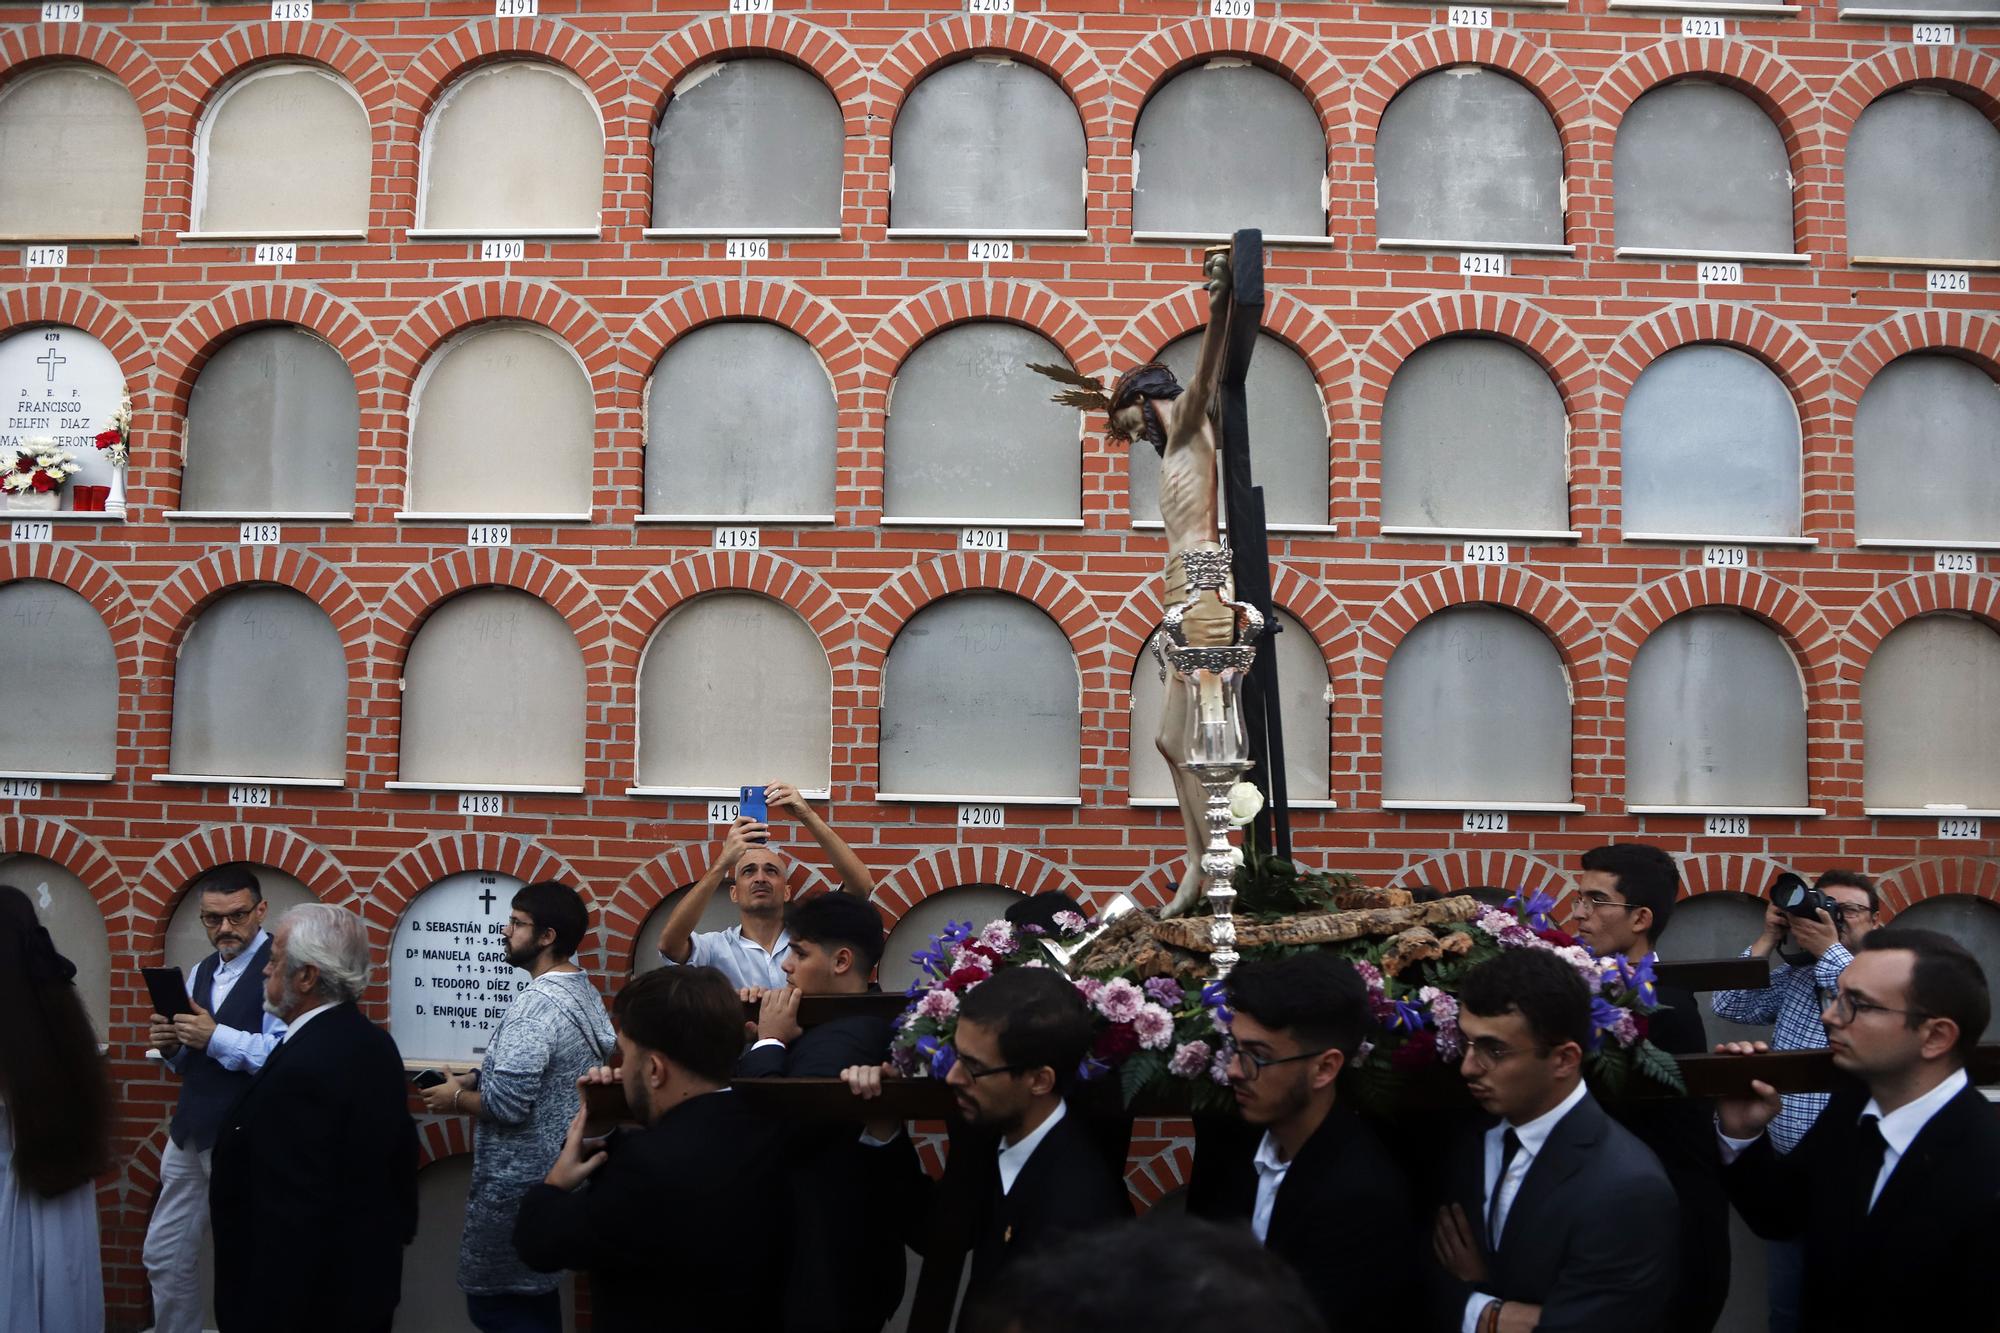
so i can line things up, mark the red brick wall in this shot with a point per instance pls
(862, 301)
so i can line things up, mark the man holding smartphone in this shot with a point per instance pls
(752, 952)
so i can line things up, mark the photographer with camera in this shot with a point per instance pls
(1813, 933)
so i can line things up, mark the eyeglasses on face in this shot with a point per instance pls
(976, 1070)
(1853, 911)
(214, 920)
(1597, 902)
(1846, 1008)
(1486, 1052)
(1253, 1064)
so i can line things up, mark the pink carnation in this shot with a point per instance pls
(1120, 1001)
(1587, 965)
(1624, 1029)
(963, 957)
(939, 1004)
(1088, 987)
(1444, 1017)
(1371, 976)
(1155, 1027)
(999, 936)
(1189, 1060)
(1218, 1068)
(1494, 922)
(1069, 923)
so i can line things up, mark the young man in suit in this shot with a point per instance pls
(836, 944)
(1559, 1219)
(1901, 1172)
(1316, 1186)
(1623, 901)
(671, 1221)
(314, 1188)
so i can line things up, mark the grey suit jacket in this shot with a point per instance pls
(1590, 1237)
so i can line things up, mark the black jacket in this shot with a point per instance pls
(1681, 1133)
(676, 1229)
(1921, 1258)
(1064, 1186)
(1342, 1219)
(322, 1139)
(1590, 1236)
(846, 1272)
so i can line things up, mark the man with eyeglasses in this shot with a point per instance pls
(1901, 1172)
(1557, 1217)
(1624, 897)
(1822, 947)
(1309, 1178)
(216, 1050)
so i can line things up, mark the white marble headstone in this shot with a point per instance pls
(63, 383)
(449, 979)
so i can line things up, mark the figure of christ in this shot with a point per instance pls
(1148, 403)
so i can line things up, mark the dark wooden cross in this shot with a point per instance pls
(487, 897)
(1249, 542)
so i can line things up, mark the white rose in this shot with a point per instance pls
(1245, 803)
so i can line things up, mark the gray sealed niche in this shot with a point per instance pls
(1923, 179)
(58, 682)
(1468, 154)
(272, 427)
(987, 144)
(1930, 716)
(1710, 446)
(748, 144)
(1715, 715)
(64, 908)
(1927, 451)
(1228, 145)
(1700, 167)
(260, 690)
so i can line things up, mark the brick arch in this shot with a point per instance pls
(665, 590)
(1898, 604)
(424, 588)
(931, 873)
(27, 44)
(1276, 46)
(416, 869)
(107, 595)
(1727, 872)
(199, 333)
(158, 887)
(483, 41)
(1971, 334)
(80, 854)
(1056, 53)
(442, 1136)
(622, 917)
(1056, 594)
(822, 51)
(1160, 1162)
(1548, 606)
(1939, 877)
(1960, 69)
(712, 301)
(1303, 328)
(935, 309)
(1472, 868)
(80, 308)
(1545, 337)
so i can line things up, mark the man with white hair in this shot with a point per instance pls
(313, 1184)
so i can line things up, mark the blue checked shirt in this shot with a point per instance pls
(1792, 1004)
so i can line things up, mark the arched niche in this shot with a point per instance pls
(1290, 445)
(735, 690)
(1476, 710)
(751, 145)
(987, 144)
(1710, 447)
(1715, 925)
(1930, 717)
(1304, 710)
(449, 979)
(61, 385)
(1715, 715)
(187, 942)
(1700, 167)
(1468, 154)
(75, 149)
(979, 904)
(493, 694)
(502, 422)
(283, 150)
(273, 427)
(1226, 145)
(720, 914)
(741, 422)
(1973, 922)
(515, 146)
(1923, 172)
(1927, 452)
(58, 683)
(260, 690)
(973, 436)
(72, 918)
(981, 697)
(1475, 438)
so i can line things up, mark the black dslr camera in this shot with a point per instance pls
(1799, 898)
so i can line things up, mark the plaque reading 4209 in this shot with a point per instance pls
(449, 979)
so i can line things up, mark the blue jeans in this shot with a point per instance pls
(1784, 1273)
(512, 1313)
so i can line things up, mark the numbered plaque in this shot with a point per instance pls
(982, 539)
(982, 816)
(1954, 562)
(45, 256)
(1953, 281)
(449, 979)
(30, 531)
(990, 252)
(1692, 26)
(1725, 557)
(1486, 553)
(989, 6)
(287, 253)
(1718, 275)
(503, 251)
(738, 539)
(723, 812)
(489, 534)
(1726, 826)
(749, 6)
(20, 789)
(516, 9)
(255, 798)
(1468, 16)
(753, 247)
(258, 534)
(1478, 265)
(477, 803)
(1232, 9)
(1958, 828)
(1934, 34)
(62, 11)
(1484, 821)
(291, 11)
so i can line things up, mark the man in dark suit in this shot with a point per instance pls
(1559, 1219)
(1623, 901)
(1900, 1175)
(671, 1221)
(1316, 1186)
(846, 1269)
(321, 1139)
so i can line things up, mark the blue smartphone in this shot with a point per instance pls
(750, 804)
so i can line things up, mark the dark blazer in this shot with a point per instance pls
(1342, 1218)
(1590, 1235)
(675, 1229)
(313, 1185)
(1681, 1133)
(846, 1272)
(1064, 1186)
(1927, 1246)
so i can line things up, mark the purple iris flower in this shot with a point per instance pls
(1405, 1016)
(1640, 980)
(1603, 1016)
(1092, 1068)
(1535, 907)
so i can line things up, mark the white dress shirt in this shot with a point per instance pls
(1500, 1192)
(299, 1021)
(1899, 1128)
(1014, 1157)
(1271, 1171)
(228, 1047)
(738, 957)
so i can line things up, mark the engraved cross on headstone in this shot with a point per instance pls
(51, 360)
(486, 897)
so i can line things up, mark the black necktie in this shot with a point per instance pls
(1510, 1144)
(1869, 1149)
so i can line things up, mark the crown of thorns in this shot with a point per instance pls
(1152, 380)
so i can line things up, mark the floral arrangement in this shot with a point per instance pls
(39, 466)
(116, 440)
(1162, 1033)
